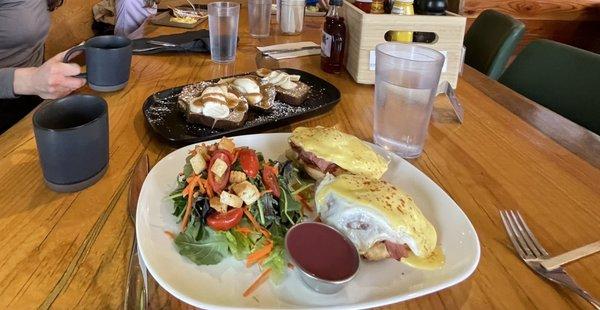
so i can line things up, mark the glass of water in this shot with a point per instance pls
(406, 81)
(223, 20)
(259, 17)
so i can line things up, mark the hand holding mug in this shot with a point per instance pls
(108, 61)
(53, 79)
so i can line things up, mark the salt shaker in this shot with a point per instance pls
(291, 17)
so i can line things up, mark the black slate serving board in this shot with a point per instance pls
(164, 117)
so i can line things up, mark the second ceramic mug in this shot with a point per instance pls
(71, 135)
(108, 61)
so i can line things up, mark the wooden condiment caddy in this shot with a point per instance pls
(365, 31)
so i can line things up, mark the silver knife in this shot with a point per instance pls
(136, 291)
(162, 43)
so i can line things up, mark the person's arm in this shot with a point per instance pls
(6, 83)
(53, 79)
(130, 15)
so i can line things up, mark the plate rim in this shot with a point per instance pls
(361, 305)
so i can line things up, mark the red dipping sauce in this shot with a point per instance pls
(322, 251)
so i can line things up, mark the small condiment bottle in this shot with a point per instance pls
(364, 5)
(401, 7)
(333, 40)
(377, 7)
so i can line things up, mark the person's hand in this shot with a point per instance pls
(53, 79)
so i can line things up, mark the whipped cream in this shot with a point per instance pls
(215, 110)
(246, 86)
(282, 79)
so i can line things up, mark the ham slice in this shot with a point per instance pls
(396, 251)
(313, 160)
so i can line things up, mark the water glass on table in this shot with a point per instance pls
(291, 17)
(406, 81)
(259, 17)
(223, 18)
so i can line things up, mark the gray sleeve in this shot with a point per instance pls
(7, 76)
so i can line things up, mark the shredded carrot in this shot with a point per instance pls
(243, 230)
(260, 280)
(262, 260)
(303, 202)
(255, 224)
(209, 191)
(259, 254)
(192, 182)
(188, 212)
(189, 192)
(170, 234)
(265, 232)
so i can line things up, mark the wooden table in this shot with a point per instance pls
(72, 250)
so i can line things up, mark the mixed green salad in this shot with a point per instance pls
(231, 201)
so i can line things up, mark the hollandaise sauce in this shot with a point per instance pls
(436, 260)
(345, 150)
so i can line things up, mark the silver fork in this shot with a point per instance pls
(532, 252)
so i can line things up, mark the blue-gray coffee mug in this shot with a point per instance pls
(72, 141)
(108, 62)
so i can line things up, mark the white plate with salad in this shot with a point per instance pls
(236, 258)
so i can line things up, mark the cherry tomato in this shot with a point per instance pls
(219, 183)
(225, 221)
(249, 162)
(226, 152)
(269, 175)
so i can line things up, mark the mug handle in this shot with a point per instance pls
(68, 56)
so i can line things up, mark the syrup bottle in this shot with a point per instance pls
(334, 39)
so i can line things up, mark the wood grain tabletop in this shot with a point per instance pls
(71, 250)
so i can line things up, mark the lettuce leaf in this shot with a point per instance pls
(210, 249)
(277, 260)
(239, 244)
(289, 207)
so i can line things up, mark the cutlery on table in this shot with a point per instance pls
(136, 291)
(559, 260)
(162, 43)
(158, 45)
(533, 254)
(290, 50)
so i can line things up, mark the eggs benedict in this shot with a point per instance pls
(381, 220)
(321, 150)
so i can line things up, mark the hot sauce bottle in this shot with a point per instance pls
(334, 39)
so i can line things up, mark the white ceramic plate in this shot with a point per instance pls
(376, 284)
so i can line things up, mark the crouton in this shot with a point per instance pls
(237, 177)
(219, 167)
(231, 200)
(216, 204)
(247, 191)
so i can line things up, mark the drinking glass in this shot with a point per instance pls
(406, 81)
(259, 17)
(291, 17)
(223, 20)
